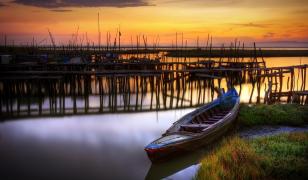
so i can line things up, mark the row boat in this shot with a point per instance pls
(197, 128)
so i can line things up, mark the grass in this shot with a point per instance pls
(234, 159)
(277, 114)
(283, 156)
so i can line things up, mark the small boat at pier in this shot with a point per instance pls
(197, 128)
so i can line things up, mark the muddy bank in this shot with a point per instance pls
(260, 131)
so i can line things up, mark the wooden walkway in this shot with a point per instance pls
(126, 86)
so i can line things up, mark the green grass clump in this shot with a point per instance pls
(285, 156)
(282, 156)
(235, 159)
(277, 114)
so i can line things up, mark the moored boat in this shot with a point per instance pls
(197, 128)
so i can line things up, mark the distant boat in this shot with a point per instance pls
(197, 128)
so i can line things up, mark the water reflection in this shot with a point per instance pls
(182, 167)
(109, 146)
(106, 146)
(169, 89)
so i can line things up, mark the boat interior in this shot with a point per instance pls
(205, 119)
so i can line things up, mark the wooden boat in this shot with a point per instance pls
(197, 128)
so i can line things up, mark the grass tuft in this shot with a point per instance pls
(283, 156)
(234, 160)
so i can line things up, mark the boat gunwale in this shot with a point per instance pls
(194, 113)
(212, 128)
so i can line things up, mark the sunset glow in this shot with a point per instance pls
(283, 21)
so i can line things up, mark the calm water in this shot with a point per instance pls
(107, 146)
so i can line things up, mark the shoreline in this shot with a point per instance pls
(269, 138)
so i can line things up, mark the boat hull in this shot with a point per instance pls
(179, 139)
(195, 142)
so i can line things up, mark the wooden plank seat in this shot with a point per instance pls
(218, 116)
(221, 114)
(209, 122)
(214, 119)
(194, 127)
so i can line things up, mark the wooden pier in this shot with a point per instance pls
(62, 89)
(62, 80)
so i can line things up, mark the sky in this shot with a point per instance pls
(267, 22)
